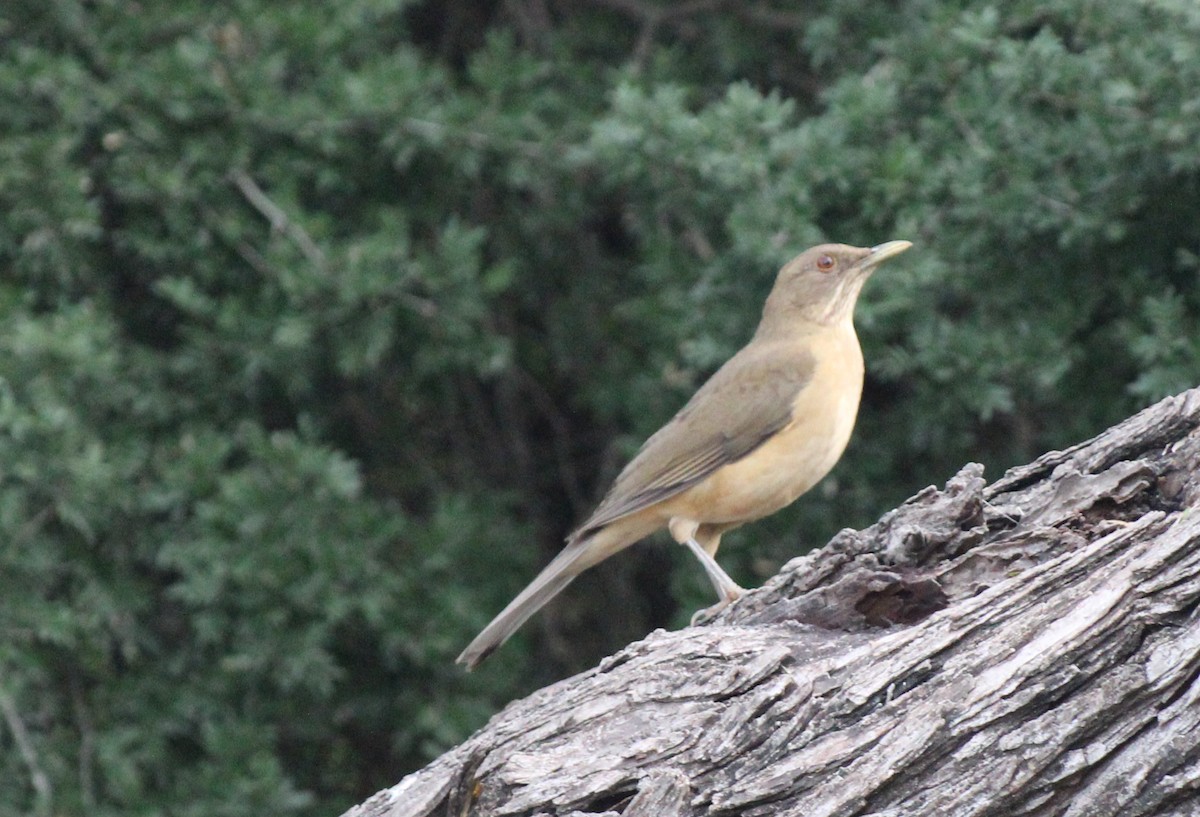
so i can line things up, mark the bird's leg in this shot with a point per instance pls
(727, 589)
(684, 532)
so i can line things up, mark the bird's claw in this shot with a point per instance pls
(707, 614)
(731, 594)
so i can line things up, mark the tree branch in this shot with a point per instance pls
(277, 217)
(37, 777)
(87, 745)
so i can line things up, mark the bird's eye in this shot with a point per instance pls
(825, 263)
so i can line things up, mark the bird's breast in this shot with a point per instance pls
(803, 452)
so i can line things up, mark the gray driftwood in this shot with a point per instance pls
(1029, 647)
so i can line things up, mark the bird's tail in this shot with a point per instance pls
(577, 556)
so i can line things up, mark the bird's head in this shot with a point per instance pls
(821, 285)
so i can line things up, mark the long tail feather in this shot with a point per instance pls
(576, 557)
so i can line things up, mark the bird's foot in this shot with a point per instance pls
(707, 614)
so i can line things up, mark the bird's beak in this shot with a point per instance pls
(883, 252)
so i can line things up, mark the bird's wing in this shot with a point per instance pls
(742, 405)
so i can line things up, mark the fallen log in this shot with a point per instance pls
(1028, 647)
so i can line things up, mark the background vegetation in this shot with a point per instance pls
(321, 323)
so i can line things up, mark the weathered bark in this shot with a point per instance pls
(1026, 647)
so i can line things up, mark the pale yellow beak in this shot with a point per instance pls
(883, 252)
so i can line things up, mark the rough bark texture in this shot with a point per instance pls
(1026, 647)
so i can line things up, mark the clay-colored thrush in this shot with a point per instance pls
(766, 427)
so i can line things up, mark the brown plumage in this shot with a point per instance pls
(766, 427)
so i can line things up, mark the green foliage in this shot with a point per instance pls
(320, 324)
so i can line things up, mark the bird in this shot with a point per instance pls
(766, 427)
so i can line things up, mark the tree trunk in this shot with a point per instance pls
(1026, 647)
